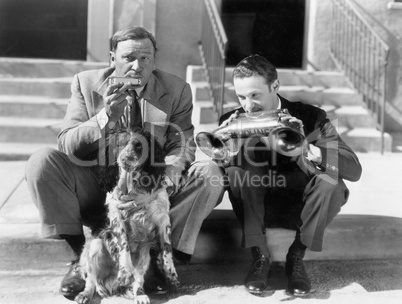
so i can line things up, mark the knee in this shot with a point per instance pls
(212, 177)
(335, 189)
(216, 178)
(40, 162)
(215, 170)
(206, 169)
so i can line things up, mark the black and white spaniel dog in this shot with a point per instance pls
(115, 261)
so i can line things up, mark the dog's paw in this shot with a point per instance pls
(173, 280)
(124, 279)
(83, 298)
(142, 299)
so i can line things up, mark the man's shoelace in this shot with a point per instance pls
(297, 263)
(259, 265)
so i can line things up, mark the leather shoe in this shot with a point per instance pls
(154, 285)
(257, 278)
(72, 283)
(299, 283)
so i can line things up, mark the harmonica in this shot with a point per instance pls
(124, 80)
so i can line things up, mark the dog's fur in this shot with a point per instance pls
(115, 262)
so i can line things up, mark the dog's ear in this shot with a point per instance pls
(158, 153)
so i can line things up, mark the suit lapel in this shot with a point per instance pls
(154, 109)
(154, 91)
(285, 104)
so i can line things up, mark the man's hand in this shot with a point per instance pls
(115, 100)
(287, 117)
(314, 154)
(230, 119)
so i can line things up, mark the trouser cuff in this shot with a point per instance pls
(254, 240)
(54, 231)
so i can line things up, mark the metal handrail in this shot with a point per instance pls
(212, 48)
(362, 55)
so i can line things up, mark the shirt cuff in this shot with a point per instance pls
(103, 120)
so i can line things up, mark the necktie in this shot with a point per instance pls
(134, 117)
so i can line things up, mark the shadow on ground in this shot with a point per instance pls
(326, 276)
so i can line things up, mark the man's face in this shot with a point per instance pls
(134, 58)
(255, 95)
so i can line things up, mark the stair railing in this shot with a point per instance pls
(212, 48)
(362, 55)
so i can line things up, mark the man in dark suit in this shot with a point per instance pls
(303, 192)
(69, 185)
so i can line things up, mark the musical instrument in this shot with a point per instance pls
(284, 137)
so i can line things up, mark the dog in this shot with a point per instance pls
(115, 262)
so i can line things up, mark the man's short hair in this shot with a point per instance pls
(256, 65)
(131, 33)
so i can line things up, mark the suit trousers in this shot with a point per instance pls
(266, 196)
(68, 196)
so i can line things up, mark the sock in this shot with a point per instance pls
(181, 257)
(76, 242)
(297, 245)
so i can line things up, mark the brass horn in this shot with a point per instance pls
(283, 136)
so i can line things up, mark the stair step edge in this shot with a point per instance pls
(28, 122)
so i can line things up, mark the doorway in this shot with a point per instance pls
(44, 29)
(271, 28)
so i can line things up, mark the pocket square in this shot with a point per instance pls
(154, 115)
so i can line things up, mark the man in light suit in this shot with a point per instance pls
(269, 189)
(69, 185)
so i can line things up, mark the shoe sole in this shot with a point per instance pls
(68, 297)
(256, 293)
(298, 295)
(155, 292)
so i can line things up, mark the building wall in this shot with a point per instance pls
(134, 13)
(178, 31)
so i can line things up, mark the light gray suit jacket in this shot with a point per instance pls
(166, 111)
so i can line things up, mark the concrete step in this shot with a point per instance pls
(32, 106)
(56, 87)
(365, 237)
(365, 139)
(207, 113)
(311, 95)
(29, 130)
(44, 68)
(349, 116)
(320, 95)
(326, 79)
(221, 233)
(287, 77)
(396, 141)
(13, 151)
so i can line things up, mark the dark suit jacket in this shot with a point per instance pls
(338, 159)
(166, 110)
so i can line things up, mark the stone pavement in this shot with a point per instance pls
(356, 282)
(361, 261)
